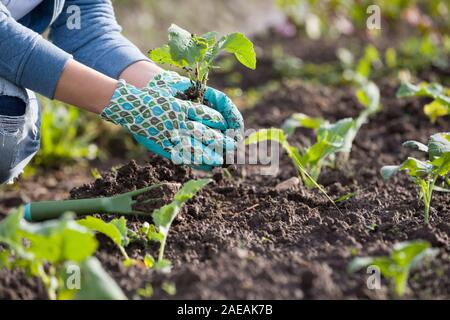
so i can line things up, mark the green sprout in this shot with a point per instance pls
(425, 174)
(48, 250)
(396, 267)
(439, 107)
(116, 230)
(330, 139)
(297, 158)
(163, 218)
(197, 54)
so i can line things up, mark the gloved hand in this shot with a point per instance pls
(217, 99)
(185, 132)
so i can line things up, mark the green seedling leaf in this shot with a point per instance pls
(388, 171)
(98, 225)
(154, 235)
(300, 120)
(146, 292)
(169, 288)
(371, 56)
(51, 248)
(278, 136)
(164, 216)
(345, 197)
(439, 107)
(425, 173)
(438, 144)
(149, 261)
(185, 48)
(415, 145)
(435, 110)
(267, 134)
(404, 257)
(95, 284)
(162, 55)
(116, 230)
(163, 265)
(61, 240)
(240, 46)
(9, 227)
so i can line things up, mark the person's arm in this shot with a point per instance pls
(85, 87)
(99, 44)
(27, 59)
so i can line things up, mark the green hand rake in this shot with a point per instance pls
(120, 204)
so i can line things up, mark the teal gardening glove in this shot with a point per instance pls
(217, 99)
(185, 132)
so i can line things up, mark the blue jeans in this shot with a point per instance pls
(19, 129)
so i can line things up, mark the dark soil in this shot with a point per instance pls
(241, 238)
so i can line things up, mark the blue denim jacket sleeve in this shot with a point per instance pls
(30, 61)
(98, 42)
(27, 59)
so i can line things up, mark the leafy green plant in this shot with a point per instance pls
(439, 107)
(330, 139)
(46, 250)
(116, 230)
(197, 53)
(163, 218)
(367, 92)
(396, 267)
(294, 153)
(425, 174)
(68, 136)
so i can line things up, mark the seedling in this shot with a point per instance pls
(297, 158)
(397, 266)
(330, 140)
(164, 216)
(116, 230)
(48, 250)
(197, 54)
(425, 174)
(439, 107)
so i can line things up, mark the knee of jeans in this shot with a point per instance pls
(12, 106)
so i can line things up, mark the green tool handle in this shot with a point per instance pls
(39, 211)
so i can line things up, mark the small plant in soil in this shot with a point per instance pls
(425, 174)
(396, 267)
(196, 54)
(438, 107)
(294, 153)
(331, 138)
(116, 230)
(163, 218)
(49, 250)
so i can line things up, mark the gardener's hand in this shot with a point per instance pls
(185, 132)
(217, 99)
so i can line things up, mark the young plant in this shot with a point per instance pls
(197, 53)
(359, 74)
(425, 174)
(439, 107)
(331, 138)
(396, 267)
(294, 153)
(164, 216)
(49, 250)
(116, 230)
